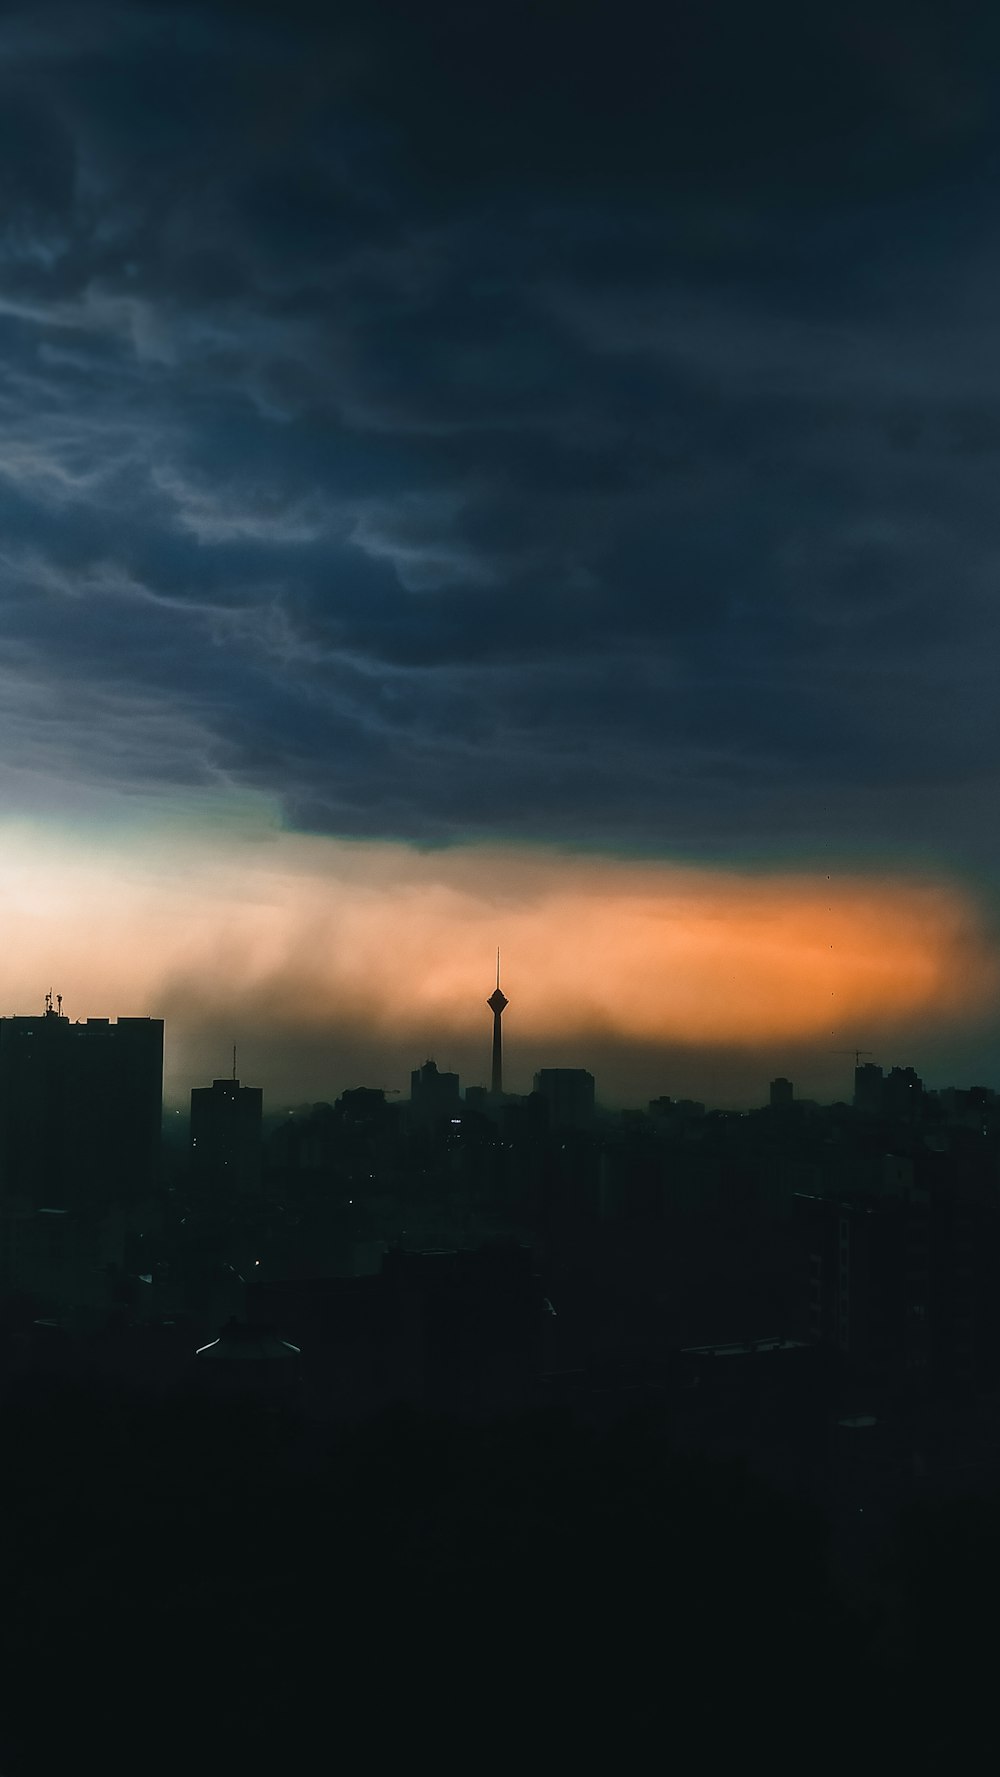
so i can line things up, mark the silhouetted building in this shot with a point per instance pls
(80, 1110)
(497, 1002)
(868, 1089)
(903, 1094)
(569, 1094)
(433, 1095)
(972, 1107)
(362, 1109)
(62, 1257)
(675, 1110)
(781, 1094)
(226, 1138)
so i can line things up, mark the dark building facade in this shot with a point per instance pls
(80, 1111)
(569, 1094)
(868, 1088)
(226, 1153)
(869, 1284)
(433, 1095)
(453, 1331)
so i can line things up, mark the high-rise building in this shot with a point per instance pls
(903, 1094)
(569, 1094)
(226, 1138)
(781, 1094)
(497, 1002)
(80, 1110)
(868, 1087)
(433, 1095)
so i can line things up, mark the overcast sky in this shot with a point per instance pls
(507, 425)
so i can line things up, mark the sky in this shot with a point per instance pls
(504, 475)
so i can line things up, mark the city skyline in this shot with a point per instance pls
(180, 1093)
(523, 481)
(335, 964)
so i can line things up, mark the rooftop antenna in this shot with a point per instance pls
(59, 1003)
(234, 1062)
(48, 1002)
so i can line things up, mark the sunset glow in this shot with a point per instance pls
(276, 933)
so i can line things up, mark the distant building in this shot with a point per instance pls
(433, 1095)
(80, 1111)
(899, 1094)
(569, 1094)
(675, 1110)
(226, 1138)
(972, 1107)
(903, 1094)
(868, 1083)
(781, 1095)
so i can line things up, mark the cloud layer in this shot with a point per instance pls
(568, 423)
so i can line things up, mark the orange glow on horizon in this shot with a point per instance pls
(303, 934)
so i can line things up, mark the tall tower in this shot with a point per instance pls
(496, 1002)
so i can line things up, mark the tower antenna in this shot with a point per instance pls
(498, 965)
(234, 1061)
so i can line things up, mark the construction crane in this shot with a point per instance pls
(857, 1053)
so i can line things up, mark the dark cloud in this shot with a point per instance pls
(572, 421)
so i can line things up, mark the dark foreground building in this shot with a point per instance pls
(449, 1331)
(80, 1111)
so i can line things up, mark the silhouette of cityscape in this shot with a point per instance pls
(502, 1340)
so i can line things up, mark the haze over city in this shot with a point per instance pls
(335, 963)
